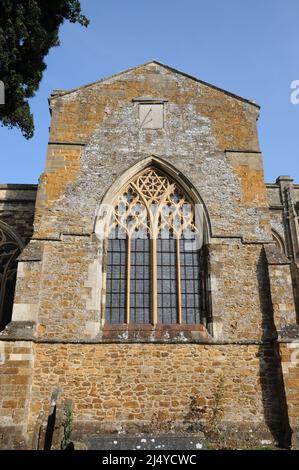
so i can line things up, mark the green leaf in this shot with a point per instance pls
(28, 30)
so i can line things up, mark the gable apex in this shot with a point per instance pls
(59, 93)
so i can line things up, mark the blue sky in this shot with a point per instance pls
(250, 48)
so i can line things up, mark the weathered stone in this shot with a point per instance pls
(234, 378)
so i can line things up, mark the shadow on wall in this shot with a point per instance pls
(10, 248)
(271, 376)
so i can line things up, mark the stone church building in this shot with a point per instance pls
(149, 283)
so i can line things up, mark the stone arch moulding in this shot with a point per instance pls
(279, 241)
(10, 248)
(104, 214)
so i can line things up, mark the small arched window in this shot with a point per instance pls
(154, 258)
(9, 251)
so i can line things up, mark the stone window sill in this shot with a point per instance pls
(148, 332)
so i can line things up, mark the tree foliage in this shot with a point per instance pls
(28, 29)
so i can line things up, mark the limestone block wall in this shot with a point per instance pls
(26, 300)
(280, 288)
(64, 298)
(276, 210)
(16, 365)
(70, 289)
(283, 198)
(209, 139)
(209, 136)
(231, 376)
(168, 387)
(165, 387)
(289, 353)
(240, 291)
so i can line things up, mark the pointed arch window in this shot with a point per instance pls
(154, 264)
(9, 251)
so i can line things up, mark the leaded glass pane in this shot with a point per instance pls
(116, 281)
(166, 281)
(140, 281)
(190, 281)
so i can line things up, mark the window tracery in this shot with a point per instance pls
(9, 250)
(153, 262)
